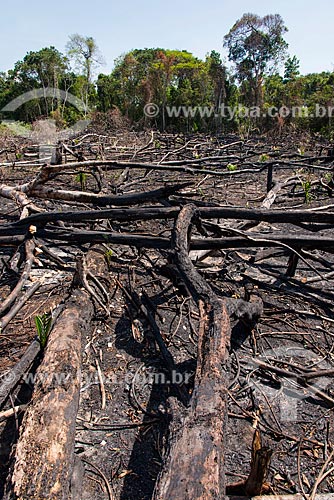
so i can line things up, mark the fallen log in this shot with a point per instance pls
(194, 468)
(50, 170)
(102, 199)
(44, 456)
(12, 241)
(152, 213)
(294, 240)
(192, 166)
(253, 240)
(14, 193)
(15, 410)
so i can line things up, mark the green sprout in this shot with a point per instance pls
(306, 185)
(231, 167)
(264, 158)
(82, 179)
(108, 255)
(43, 325)
(328, 178)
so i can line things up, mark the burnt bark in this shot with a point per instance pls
(16, 373)
(44, 455)
(194, 468)
(151, 213)
(103, 200)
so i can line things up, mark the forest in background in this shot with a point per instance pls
(262, 75)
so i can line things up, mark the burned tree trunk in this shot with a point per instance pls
(45, 451)
(195, 466)
(44, 456)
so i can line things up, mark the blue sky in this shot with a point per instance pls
(195, 25)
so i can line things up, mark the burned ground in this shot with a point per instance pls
(280, 366)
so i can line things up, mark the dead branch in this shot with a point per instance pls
(18, 306)
(13, 377)
(102, 200)
(151, 213)
(139, 240)
(29, 249)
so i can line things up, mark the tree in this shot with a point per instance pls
(48, 69)
(291, 68)
(218, 75)
(256, 46)
(165, 66)
(217, 71)
(84, 52)
(165, 77)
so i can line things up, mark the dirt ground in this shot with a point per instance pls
(124, 443)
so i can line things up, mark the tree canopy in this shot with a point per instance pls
(190, 94)
(256, 46)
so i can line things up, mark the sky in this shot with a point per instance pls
(194, 25)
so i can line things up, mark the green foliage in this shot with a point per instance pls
(263, 158)
(166, 78)
(310, 99)
(108, 255)
(4, 130)
(173, 79)
(256, 46)
(307, 185)
(46, 68)
(43, 325)
(81, 178)
(231, 167)
(291, 68)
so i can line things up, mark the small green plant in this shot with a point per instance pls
(157, 144)
(4, 130)
(264, 157)
(82, 179)
(328, 178)
(108, 255)
(306, 185)
(17, 128)
(43, 325)
(301, 150)
(231, 167)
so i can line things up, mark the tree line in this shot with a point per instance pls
(263, 76)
